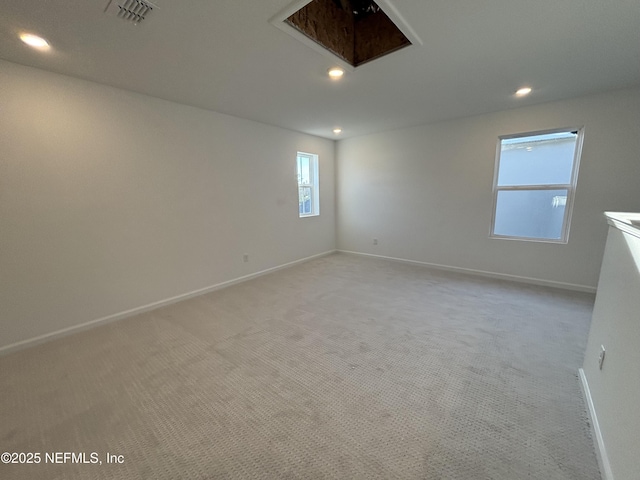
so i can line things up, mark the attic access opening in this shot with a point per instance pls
(357, 31)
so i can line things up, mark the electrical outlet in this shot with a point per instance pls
(375, 241)
(245, 257)
(601, 356)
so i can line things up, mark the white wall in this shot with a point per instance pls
(425, 192)
(615, 390)
(111, 200)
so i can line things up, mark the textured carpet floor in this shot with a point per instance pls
(343, 367)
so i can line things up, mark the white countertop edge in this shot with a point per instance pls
(625, 221)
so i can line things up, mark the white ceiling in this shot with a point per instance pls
(224, 55)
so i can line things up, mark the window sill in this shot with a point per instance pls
(560, 241)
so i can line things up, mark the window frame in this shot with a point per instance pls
(570, 187)
(314, 185)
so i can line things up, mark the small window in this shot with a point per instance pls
(534, 184)
(308, 191)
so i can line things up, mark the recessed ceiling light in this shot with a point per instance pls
(523, 91)
(336, 72)
(34, 41)
(337, 130)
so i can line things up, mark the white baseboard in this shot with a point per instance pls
(601, 451)
(483, 273)
(151, 306)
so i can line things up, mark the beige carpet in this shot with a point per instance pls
(343, 367)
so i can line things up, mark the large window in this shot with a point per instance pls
(308, 191)
(534, 185)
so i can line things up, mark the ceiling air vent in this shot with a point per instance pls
(134, 11)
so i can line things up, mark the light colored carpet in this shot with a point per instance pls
(343, 367)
